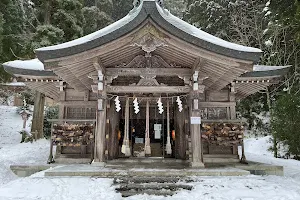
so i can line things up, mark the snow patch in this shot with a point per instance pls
(34, 64)
(268, 43)
(267, 68)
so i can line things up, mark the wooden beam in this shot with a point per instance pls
(150, 71)
(216, 104)
(79, 103)
(148, 89)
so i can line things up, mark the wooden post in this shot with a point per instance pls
(99, 152)
(113, 145)
(50, 159)
(38, 115)
(180, 147)
(197, 154)
(62, 98)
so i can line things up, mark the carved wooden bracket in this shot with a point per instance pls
(148, 81)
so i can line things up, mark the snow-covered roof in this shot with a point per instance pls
(267, 71)
(32, 67)
(268, 68)
(34, 64)
(16, 84)
(150, 9)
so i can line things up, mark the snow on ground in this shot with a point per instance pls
(11, 150)
(37, 187)
(10, 125)
(257, 150)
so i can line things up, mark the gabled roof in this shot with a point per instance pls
(150, 9)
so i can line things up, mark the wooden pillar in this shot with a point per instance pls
(232, 99)
(180, 143)
(99, 157)
(38, 115)
(197, 153)
(62, 98)
(113, 122)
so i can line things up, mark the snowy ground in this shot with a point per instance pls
(38, 187)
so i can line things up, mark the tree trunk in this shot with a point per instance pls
(275, 142)
(48, 5)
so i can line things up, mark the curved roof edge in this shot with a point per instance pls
(168, 22)
(27, 68)
(276, 71)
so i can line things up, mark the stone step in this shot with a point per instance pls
(149, 192)
(146, 160)
(152, 186)
(143, 179)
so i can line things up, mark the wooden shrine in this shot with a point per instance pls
(154, 86)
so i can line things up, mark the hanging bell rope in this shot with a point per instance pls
(126, 147)
(147, 135)
(168, 145)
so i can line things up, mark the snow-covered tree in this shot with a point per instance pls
(95, 19)
(176, 7)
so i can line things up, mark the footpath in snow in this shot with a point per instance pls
(38, 187)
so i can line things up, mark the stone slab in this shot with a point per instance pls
(88, 170)
(28, 170)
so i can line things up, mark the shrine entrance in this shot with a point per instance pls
(151, 133)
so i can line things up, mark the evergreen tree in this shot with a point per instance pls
(47, 35)
(286, 124)
(69, 18)
(12, 33)
(95, 19)
(176, 7)
(13, 29)
(1, 30)
(121, 8)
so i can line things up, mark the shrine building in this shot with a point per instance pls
(148, 85)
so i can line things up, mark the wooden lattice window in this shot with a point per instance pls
(80, 113)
